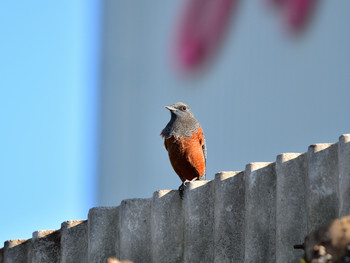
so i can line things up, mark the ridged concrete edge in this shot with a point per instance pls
(74, 241)
(15, 251)
(291, 212)
(45, 246)
(260, 212)
(323, 185)
(199, 222)
(135, 230)
(229, 215)
(344, 174)
(103, 234)
(167, 221)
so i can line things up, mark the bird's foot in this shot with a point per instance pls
(184, 185)
(182, 189)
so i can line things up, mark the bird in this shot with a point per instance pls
(185, 142)
(328, 243)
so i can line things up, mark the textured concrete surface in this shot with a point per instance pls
(344, 174)
(15, 251)
(74, 241)
(260, 212)
(135, 230)
(291, 212)
(45, 246)
(229, 212)
(323, 185)
(256, 215)
(199, 222)
(167, 227)
(103, 234)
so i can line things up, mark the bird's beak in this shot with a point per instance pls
(171, 108)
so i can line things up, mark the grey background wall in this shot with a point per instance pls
(266, 93)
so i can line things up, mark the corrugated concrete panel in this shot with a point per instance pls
(15, 251)
(251, 216)
(291, 210)
(229, 213)
(74, 241)
(323, 188)
(260, 205)
(45, 246)
(344, 174)
(135, 230)
(103, 234)
(199, 222)
(167, 227)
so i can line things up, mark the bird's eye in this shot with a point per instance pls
(184, 108)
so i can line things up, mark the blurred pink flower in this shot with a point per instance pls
(203, 24)
(295, 12)
(298, 13)
(200, 31)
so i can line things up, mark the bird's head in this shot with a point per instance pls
(181, 110)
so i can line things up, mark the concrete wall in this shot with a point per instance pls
(255, 215)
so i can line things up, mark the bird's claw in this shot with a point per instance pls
(181, 190)
(184, 185)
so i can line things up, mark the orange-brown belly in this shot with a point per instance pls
(186, 156)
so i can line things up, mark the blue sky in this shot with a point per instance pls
(48, 102)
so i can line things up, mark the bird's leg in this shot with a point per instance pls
(182, 189)
(184, 185)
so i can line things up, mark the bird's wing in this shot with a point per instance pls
(202, 143)
(204, 147)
